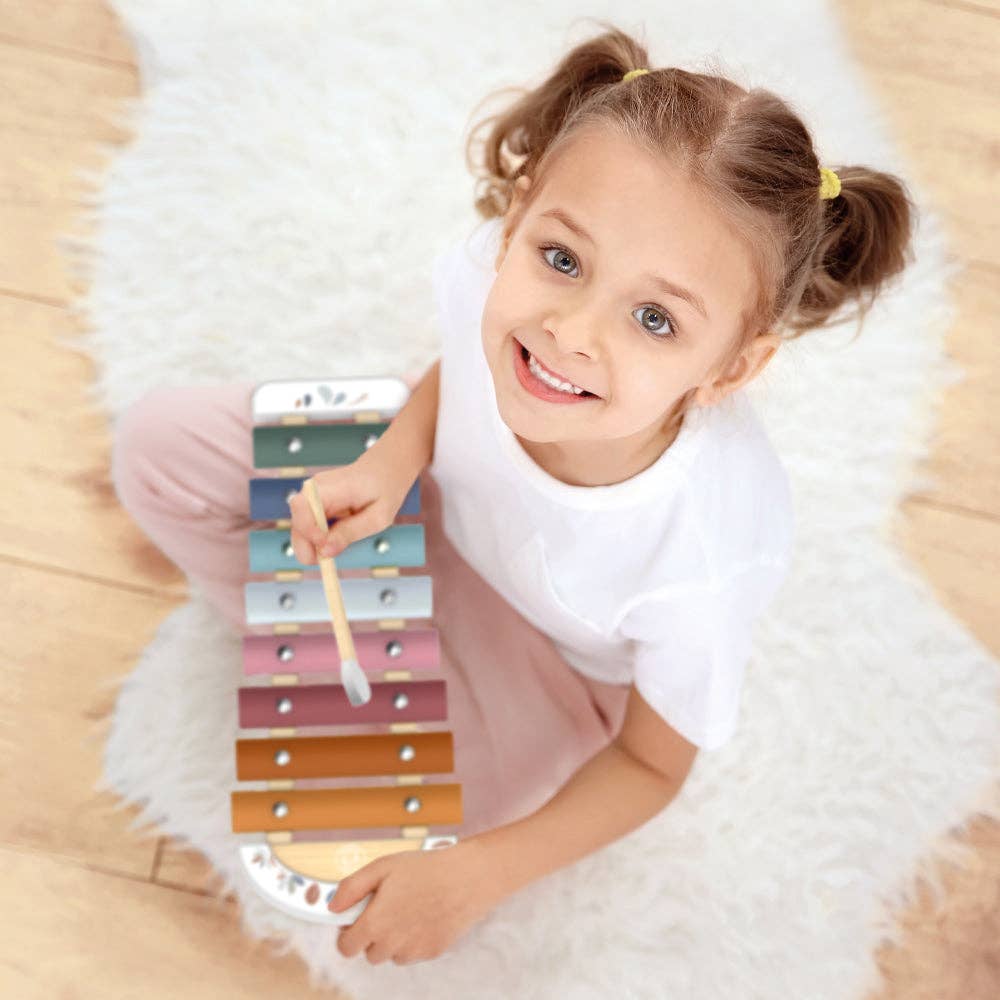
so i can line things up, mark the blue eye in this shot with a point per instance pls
(657, 310)
(563, 251)
(565, 254)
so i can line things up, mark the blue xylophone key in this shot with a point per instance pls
(269, 497)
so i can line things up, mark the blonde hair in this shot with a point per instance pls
(746, 150)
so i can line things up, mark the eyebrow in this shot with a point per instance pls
(670, 287)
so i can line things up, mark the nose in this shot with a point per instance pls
(573, 333)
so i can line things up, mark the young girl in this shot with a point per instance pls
(611, 517)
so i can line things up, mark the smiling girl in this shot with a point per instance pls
(615, 519)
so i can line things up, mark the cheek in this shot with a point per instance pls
(491, 333)
(493, 308)
(647, 388)
(512, 296)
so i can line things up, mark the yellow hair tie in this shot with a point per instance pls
(829, 183)
(633, 72)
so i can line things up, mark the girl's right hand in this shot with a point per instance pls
(364, 496)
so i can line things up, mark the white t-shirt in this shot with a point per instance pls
(657, 580)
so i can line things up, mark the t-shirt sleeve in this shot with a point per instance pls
(459, 271)
(441, 281)
(691, 647)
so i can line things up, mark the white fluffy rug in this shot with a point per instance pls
(296, 167)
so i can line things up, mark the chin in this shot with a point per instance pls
(523, 425)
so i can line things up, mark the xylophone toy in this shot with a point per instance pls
(330, 787)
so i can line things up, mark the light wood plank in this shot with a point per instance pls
(934, 71)
(74, 29)
(950, 949)
(964, 447)
(987, 7)
(81, 934)
(54, 115)
(182, 868)
(959, 556)
(66, 652)
(56, 450)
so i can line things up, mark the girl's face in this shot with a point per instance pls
(592, 311)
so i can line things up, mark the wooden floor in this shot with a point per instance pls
(91, 910)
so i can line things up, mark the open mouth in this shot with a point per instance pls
(525, 356)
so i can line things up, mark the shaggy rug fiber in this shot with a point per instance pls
(295, 167)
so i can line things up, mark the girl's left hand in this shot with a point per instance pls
(424, 901)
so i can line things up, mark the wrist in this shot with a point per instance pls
(398, 449)
(483, 869)
(492, 876)
(395, 466)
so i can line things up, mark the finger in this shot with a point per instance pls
(306, 530)
(300, 504)
(304, 552)
(357, 937)
(323, 542)
(377, 953)
(347, 532)
(356, 886)
(353, 940)
(405, 959)
(304, 526)
(338, 496)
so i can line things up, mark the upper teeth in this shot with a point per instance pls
(557, 383)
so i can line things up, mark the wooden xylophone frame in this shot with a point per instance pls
(305, 825)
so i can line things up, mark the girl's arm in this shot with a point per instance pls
(411, 432)
(621, 787)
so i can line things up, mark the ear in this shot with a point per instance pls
(745, 367)
(512, 216)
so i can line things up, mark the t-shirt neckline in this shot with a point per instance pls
(655, 481)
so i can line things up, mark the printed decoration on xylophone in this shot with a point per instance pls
(308, 824)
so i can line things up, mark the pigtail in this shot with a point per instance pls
(518, 137)
(865, 241)
(748, 151)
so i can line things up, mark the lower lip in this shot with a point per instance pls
(538, 388)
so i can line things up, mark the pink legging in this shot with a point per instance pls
(522, 718)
